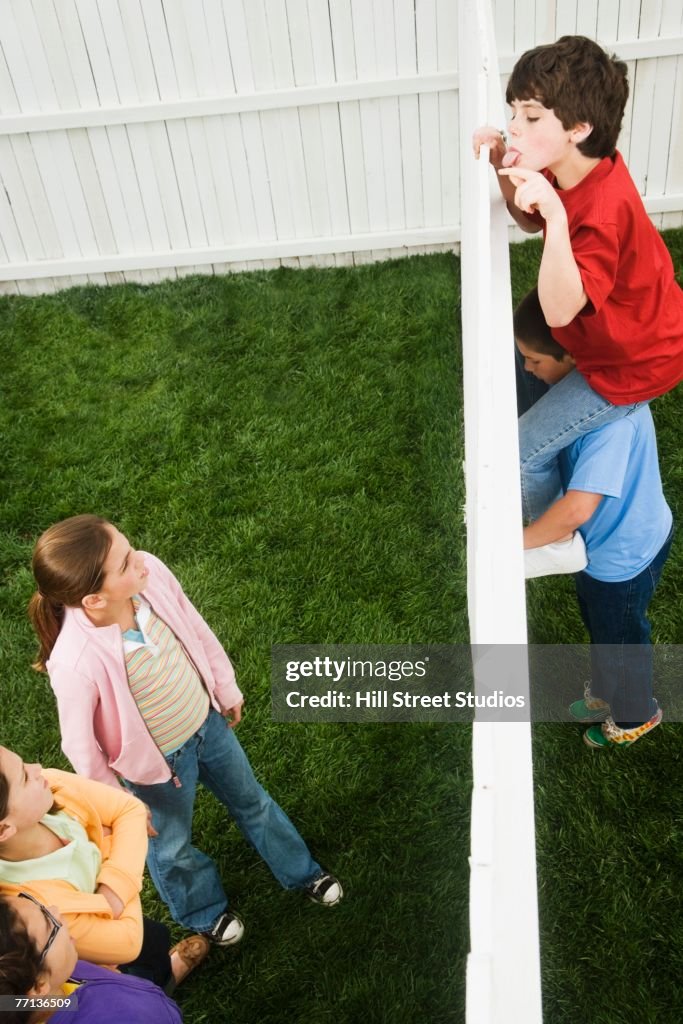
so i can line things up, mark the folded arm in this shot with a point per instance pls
(101, 939)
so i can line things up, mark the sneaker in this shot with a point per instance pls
(187, 955)
(564, 556)
(610, 735)
(590, 709)
(325, 889)
(227, 931)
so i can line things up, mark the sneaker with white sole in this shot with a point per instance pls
(227, 930)
(563, 556)
(589, 710)
(610, 735)
(325, 889)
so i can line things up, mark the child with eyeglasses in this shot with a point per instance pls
(39, 966)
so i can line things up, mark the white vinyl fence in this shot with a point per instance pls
(146, 134)
(503, 969)
(146, 138)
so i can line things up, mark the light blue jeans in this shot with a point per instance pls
(553, 421)
(186, 879)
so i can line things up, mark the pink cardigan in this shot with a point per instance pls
(103, 733)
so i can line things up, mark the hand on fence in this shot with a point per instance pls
(533, 192)
(494, 138)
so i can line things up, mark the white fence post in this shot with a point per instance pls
(503, 971)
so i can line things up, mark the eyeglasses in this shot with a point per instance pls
(56, 925)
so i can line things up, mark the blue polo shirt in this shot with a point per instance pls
(633, 520)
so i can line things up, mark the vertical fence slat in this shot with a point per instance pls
(310, 120)
(525, 24)
(330, 122)
(546, 21)
(12, 230)
(587, 17)
(25, 192)
(409, 114)
(349, 116)
(629, 18)
(607, 24)
(504, 21)
(503, 973)
(447, 50)
(674, 177)
(428, 104)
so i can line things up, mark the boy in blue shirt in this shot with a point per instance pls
(613, 497)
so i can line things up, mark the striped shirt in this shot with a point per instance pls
(163, 681)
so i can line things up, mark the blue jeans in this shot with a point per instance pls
(554, 420)
(186, 879)
(615, 615)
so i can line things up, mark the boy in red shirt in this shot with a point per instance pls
(606, 281)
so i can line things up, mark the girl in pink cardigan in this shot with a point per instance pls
(147, 695)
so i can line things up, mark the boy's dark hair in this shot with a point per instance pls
(20, 966)
(580, 83)
(531, 329)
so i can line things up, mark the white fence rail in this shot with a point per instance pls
(503, 971)
(140, 138)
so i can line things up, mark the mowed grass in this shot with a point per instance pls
(290, 443)
(609, 832)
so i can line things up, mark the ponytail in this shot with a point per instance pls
(46, 618)
(68, 564)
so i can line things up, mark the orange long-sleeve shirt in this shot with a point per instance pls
(99, 937)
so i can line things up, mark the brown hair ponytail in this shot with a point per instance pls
(68, 564)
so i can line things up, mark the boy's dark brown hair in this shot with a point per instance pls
(531, 329)
(580, 83)
(20, 967)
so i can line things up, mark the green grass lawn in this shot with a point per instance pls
(609, 826)
(290, 443)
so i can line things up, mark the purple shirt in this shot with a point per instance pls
(107, 997)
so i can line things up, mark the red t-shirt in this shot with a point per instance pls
(628, 339)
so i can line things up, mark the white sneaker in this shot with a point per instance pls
(227, 930)
(325, 889)
(563, 556)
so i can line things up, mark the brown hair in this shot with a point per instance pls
(20, 967)
(68, 562)
(4, 795)
(530, 327)
(580, 83)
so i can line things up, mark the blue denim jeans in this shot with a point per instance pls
(554, 418)
(615, 615)
(186, 879)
